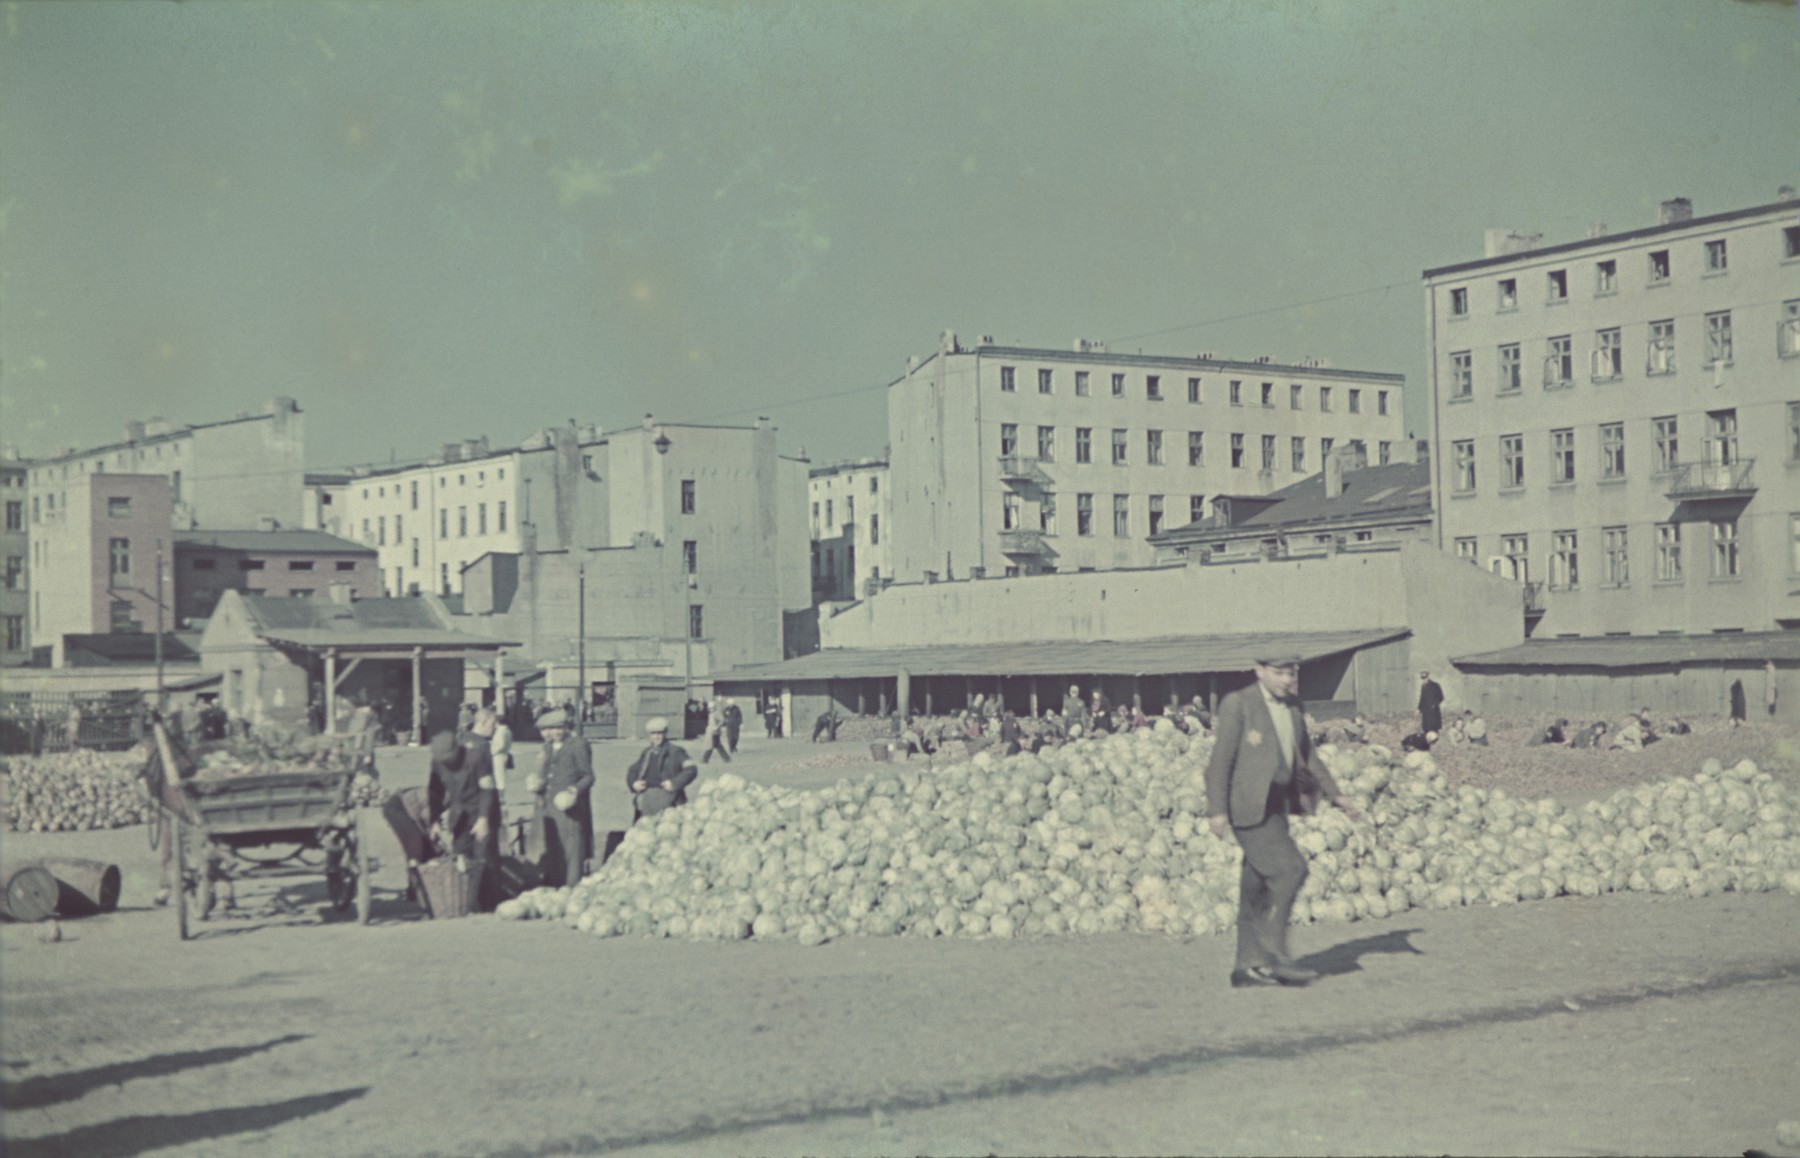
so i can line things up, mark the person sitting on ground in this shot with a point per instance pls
(1011, 735)
(1417, 741)
(1474, 727)
(1678, 726)
(1592, 736)
(1629, 737)
(1454, 734)
(1553, 734)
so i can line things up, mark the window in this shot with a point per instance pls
(1559, 361)
(1462, 458)
(15, 514)
(1237, 393)
(1510, 362)
(481, 524)
(1718, 338)
(346, 565)
(118, 507)
(500, 516)
(874, 530)
(1515, 550)
(1156, 514)
(1381, 403)
(1558, 289)
(1793, 411)
(1296, 396)
(831, 515)
(1196, 508)
(300, 565)
(1793, 545)
(251, 564)
(1662, 347)
(1046, 382)
(1120, 456)
(1046, 443)
(120, 618)
(1268, 395)
(1194, 390)
(1009, 439)
(1046, 514)
(462, 522)
(1197, 447)
(1268, 452)
(415, 552)
(1153, 387)
(1237, 451)
(1297, 453)
(1153, 447)
(1325, 399)
(1609, 351)
(1118, 385)
(1659, 266)
(1011, 510)
(1356, 401)
(1606, 277)
(1565, 569)
(690, 557)
(1512, 461)
(1725, 548)
(1385, 450)
(206, 564)
(1081, 383)
(15, 632)
(1007, 384)
(415, 495)
(1459, 302)
(1509, 294)
(1668, 552)
(381, 530)
(1084, 444)
(15, 571)
(1612, 450)
(120, 552)
(1121, 516)
(1615, 568)
(1324, 449)
(1084, 515)
(398, 533)
(1465, 549)
(1562, 455)
(1787, 338)
(1721, 437)
(443, 524)
(689, 499)
(1715, 256)
(696, 622)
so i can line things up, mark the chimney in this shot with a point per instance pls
(1341, 462)
(1503, 242)
(1677, 210)
(134, 431)
(452, 452)
(1596, 229)
(947, 343)
(1785, 193)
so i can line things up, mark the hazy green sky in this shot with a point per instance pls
(432, 220)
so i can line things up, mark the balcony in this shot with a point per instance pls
(1019, 468)
(1023, 543)
(1694, 481)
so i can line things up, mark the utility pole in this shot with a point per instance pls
(159, 627)
(581, 642)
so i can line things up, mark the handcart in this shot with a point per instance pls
(216, 827)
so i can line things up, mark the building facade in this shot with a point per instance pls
(1616, 421)
(1011, 460)
(280, 564)
(100, 558)
(15, 555)
(850, 526)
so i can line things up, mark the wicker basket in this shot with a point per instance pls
(445, 890)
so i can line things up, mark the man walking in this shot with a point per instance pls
(1431, 704)
(734, 723)
(1263, 769)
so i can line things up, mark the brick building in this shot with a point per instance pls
(294, 564)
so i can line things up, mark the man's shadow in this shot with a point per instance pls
(1347, 957)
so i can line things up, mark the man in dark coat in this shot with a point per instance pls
(734, 723)
(1431, 704)
(562, 785)
(1263, 769)
(659, 777)
(464, 805)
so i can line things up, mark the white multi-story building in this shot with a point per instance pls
(1616, 421)
(1011, 460)
(850, 526)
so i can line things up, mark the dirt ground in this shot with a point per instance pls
(1619, 1024)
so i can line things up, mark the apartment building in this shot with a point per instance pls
(95, 558)
(15, 553)
(295, 564)
(849, 525)
(1616, 421)
(1014, 460)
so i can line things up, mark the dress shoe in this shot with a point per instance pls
(1253, 976)
(1289, 974)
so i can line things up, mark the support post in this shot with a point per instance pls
(418, 695)
(500, 683)
(331, 689)
(903, 693)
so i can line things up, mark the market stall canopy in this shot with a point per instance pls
(1168, 655)
(373, 628)
(1643, 651)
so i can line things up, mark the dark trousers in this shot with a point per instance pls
(568, 844)
(1272, 875)
(717, 745)
(731, 736)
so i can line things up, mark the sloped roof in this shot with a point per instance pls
(372, 623)
(265, 541)
(135, 647)
(1643, 651)
(1169, 655)
(1397, 491)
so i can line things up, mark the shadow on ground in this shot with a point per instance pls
(1347, 957)
(34, 1093)
(141, 1132)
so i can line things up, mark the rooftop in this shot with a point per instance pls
(1395, 491)
(1619, 651)
(279, 541)
(1167, 361)
(362, 623)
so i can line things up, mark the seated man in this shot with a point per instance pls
(1629, 737)
(1474, 727)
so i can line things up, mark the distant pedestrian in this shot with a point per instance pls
(1740, 703)
(826, 725)
(715, 734)
(734, 723)
(1431, 704)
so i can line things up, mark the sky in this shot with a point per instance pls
(436, 220)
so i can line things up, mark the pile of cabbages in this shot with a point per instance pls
(1110, 834)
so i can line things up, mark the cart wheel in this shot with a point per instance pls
(179, 882)
(364, 887)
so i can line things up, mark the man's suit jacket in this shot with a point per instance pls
(1246, 759)
(570, 766)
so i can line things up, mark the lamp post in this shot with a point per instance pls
(159, 627)
(581, 684)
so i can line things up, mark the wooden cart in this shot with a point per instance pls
(267, 824)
